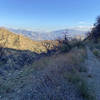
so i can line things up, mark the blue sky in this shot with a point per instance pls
(48, 14)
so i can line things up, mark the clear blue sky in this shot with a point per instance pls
(48, 14)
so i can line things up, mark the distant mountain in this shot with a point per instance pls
(71, 33)
(49, 35)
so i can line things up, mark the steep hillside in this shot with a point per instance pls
(20, 42)
(17, 50)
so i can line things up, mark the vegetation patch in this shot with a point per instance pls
(75, 76)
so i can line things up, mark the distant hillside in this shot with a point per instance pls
(50, 35)
(20, 42)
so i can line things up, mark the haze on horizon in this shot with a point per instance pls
(48, 15)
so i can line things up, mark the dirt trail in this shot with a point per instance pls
(93, 65)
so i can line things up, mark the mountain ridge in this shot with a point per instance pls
(35, 35)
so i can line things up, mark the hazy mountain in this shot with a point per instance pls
(49, 35)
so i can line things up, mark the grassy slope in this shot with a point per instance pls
(95, 47)
(65, 67)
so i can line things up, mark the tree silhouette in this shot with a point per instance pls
(95, 33)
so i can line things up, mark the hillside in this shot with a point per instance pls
(30, 71)
(18, 50)
(20, 42)
(48, 78)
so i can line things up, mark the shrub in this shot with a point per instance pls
(65, 48)
(84, 90)
(78, 44)
(5, 89)
(96, 52)
(80, 83)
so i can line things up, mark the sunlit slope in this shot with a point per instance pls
(11, 40)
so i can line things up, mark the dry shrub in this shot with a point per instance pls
(96, 52)
(54, 70)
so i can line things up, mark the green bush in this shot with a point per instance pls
(81, 84)
(96, 52)
(65, 48)
(79, 44)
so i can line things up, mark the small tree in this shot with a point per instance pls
(95, 33)
(66, 39)
(65, 46)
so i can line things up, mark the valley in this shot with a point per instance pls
(48, 69)
(49, 49)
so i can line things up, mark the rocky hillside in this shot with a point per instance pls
(17, 50)
(20, 42)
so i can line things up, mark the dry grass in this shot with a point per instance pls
(69, 65)
(76, 57)
(66, 65)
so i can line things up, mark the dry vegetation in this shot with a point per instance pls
(67, 66)
(95, 48)
(49, 75)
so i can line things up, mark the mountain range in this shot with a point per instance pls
(35, 35)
